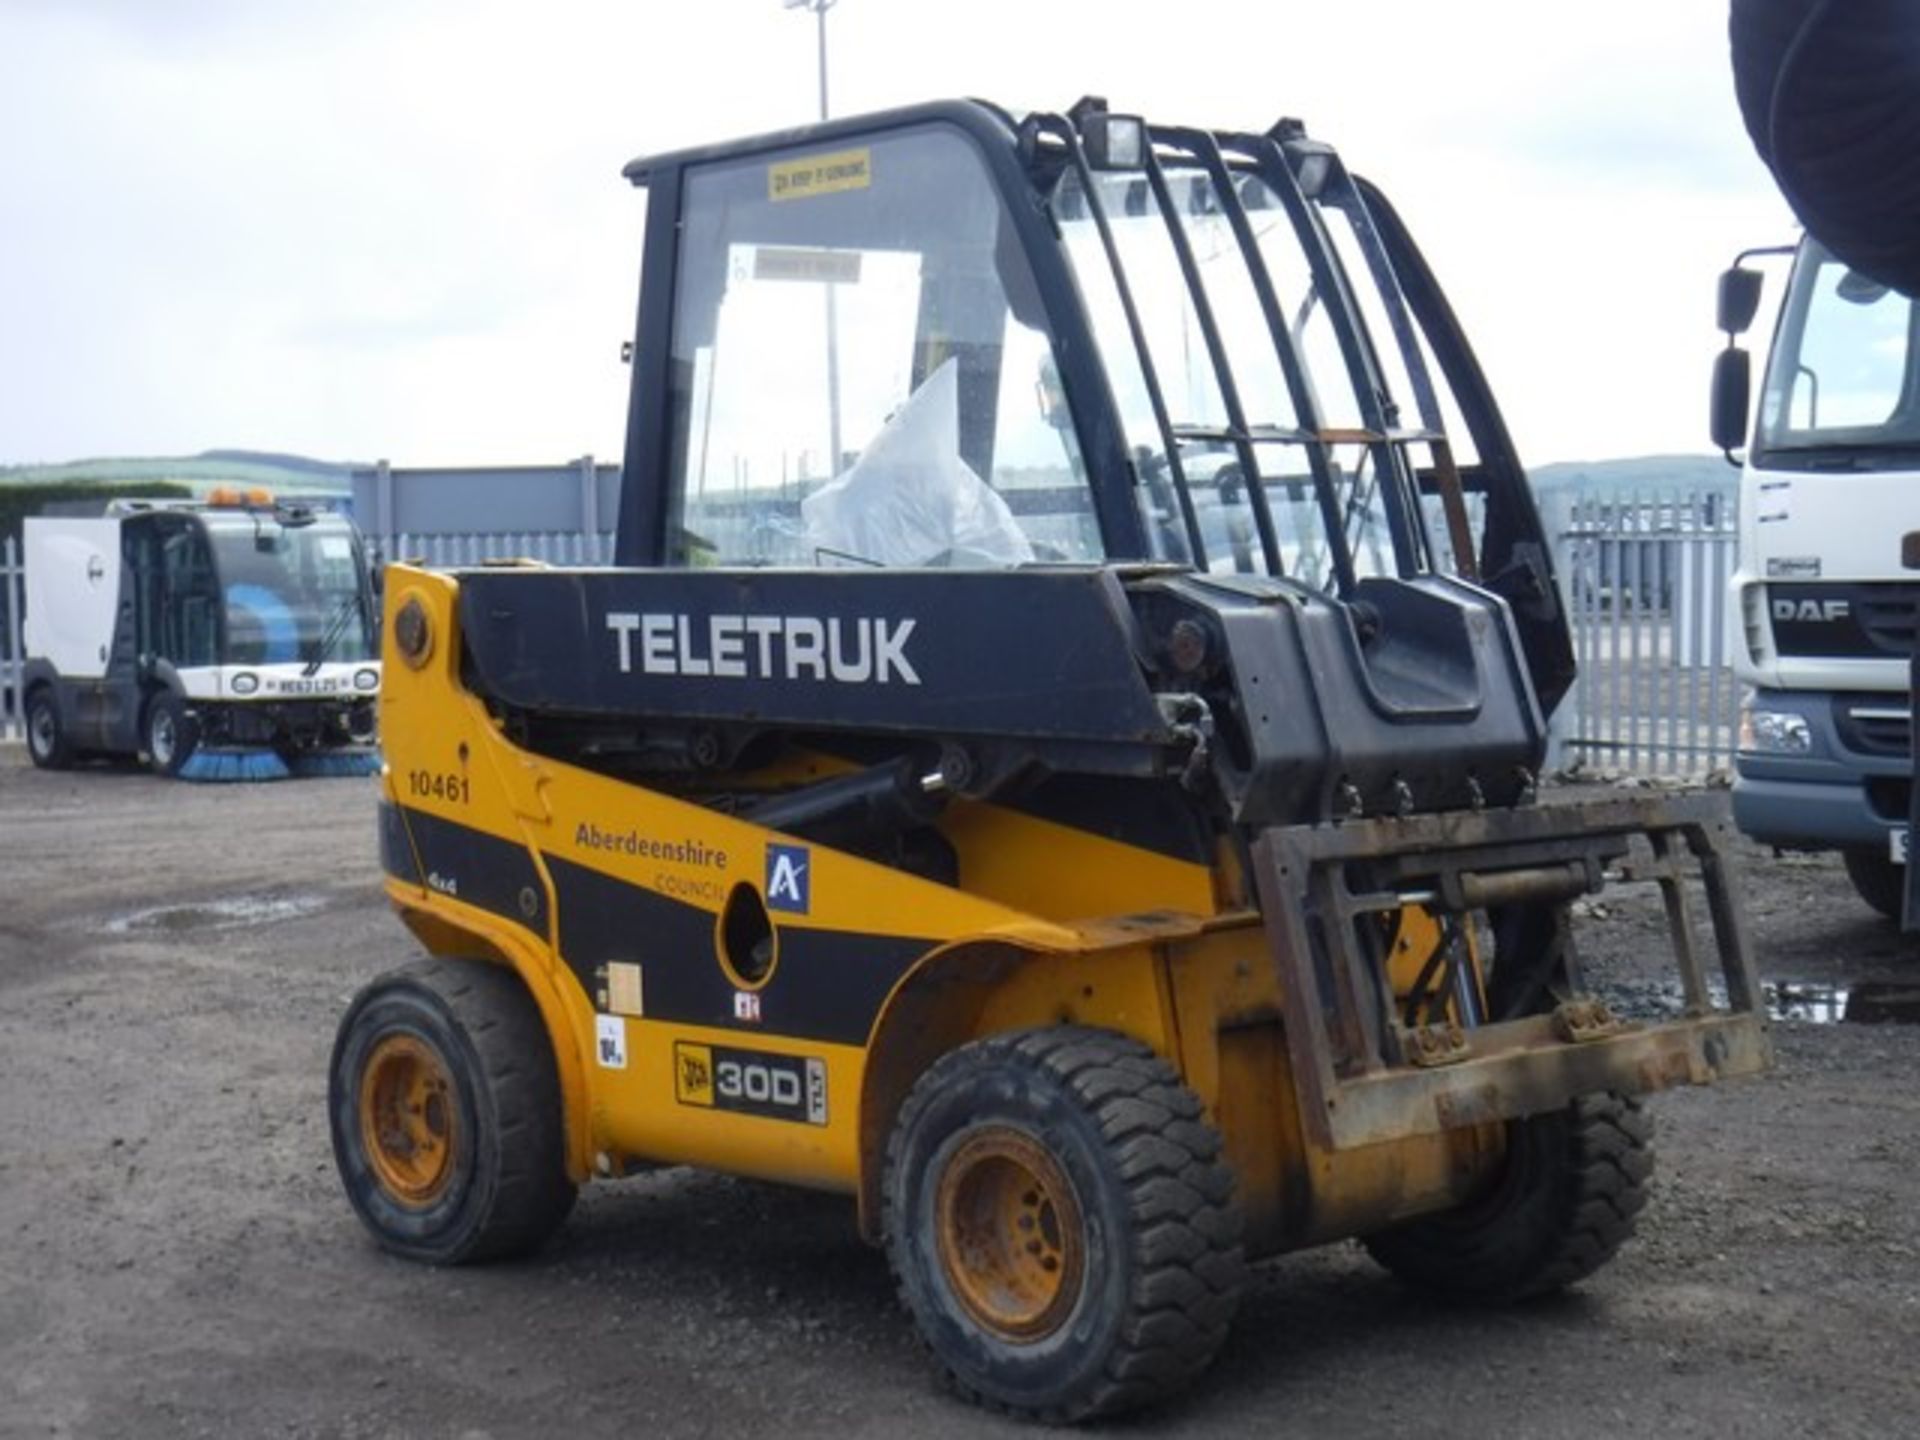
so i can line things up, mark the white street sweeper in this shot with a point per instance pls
(230, 638)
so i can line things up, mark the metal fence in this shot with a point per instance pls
(450, 552)
(1644, 575)
(12, 652)
(1645, 578)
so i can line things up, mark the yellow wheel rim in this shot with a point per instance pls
(409, 1121)
(1011, 1240)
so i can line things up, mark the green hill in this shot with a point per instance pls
(1640, 472)
(289, 474)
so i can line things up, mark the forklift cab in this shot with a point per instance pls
(958, 340)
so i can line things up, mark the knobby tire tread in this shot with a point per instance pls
(1597, 1185)
(1187, 1224)
(532, 1193)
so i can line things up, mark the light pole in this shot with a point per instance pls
(819, 8)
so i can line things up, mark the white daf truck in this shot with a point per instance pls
(232, 638)
(1825, 605)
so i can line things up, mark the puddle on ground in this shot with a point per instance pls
(1865, 1002)
(1881, 1002)
(230, 914)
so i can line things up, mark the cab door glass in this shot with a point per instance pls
(1415, 395)
(188, 608)
(860, 376)
(1302, 305)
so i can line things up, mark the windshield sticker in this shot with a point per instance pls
(820, 175)
(783, 262)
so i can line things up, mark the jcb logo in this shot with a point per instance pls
(1818, 611)
(693, 1076)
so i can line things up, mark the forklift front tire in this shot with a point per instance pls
(46, 739)
(1061, 1223)
(1564, 1201)
(445, 1109)
(171, 734)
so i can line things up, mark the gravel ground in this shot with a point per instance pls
(176, 1258)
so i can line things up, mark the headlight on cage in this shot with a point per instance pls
(366, 679)
(245, 683)
(1774, 732)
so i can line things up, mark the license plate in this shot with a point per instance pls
(1897, 846)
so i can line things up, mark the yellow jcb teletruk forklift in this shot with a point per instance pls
(1054, 761)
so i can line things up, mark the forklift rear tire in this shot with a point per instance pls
(46, 740)
(1061, 1223)
(1877, 880)
(170, 733)
(1565, 1200)
(445, 1108)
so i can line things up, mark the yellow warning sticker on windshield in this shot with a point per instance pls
(820, 174)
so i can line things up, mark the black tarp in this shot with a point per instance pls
(1830, 91)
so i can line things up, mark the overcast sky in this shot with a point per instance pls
(397, 228)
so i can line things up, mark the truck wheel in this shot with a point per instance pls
(1877, 880)
(170, 733)
(1061, 1224)
(445, 1109)
(46, 740)
(1565, 1200)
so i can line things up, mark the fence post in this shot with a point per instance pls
(13, 650)
(1565, 722)
(589, 495)
(384, 522)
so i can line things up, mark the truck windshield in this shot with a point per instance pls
(293, 594)
(1843, 384)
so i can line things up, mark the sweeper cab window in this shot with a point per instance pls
(291, 592)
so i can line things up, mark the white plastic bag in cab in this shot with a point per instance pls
(910, 499)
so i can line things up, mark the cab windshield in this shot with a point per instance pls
(1843, 384)
(291, 594)
(1278, 404)
(863, 372)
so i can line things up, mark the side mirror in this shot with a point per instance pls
(1732, 396)
(1739, 298)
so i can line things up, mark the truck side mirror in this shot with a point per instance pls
(1739, 298)
(1732, 395)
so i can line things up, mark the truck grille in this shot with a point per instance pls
(1880, 725)
(1889, 615)
(1865, 620)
